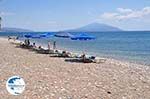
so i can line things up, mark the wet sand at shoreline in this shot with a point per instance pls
(53, 78)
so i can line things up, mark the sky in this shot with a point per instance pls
(56, 15)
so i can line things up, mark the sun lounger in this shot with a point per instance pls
(91, 59)
(62, 54)
(82, 59)
(16, 42)
(100, 60)
(22, 45)
(79, 60)
(25, 46)
(43, 51)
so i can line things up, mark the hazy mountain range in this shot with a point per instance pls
(94, 27)
(8, 29)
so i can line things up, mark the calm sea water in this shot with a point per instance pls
(130, 46)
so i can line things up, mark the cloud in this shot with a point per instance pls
(122, 10)
(6, 13)
(124, 14)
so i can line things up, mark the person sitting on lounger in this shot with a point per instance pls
(34, 46)
(85, 59)
(83, 56)
(64, 54)
(56, 51)
(9, 38)
(40, 47)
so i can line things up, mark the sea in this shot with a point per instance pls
(131, 46)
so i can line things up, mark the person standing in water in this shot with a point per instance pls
(54, 45)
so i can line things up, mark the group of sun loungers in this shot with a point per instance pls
(69, 57)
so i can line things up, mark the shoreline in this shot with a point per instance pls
(53, 78)
(121, 59)
(115, 60)
(130, 61)
(109, 59)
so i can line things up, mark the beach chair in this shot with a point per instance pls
(90, 59)
(43, 51)
(25, 46)
(99, 60)
(62, 54)
(81, 59)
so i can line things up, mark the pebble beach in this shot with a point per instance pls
(52, 78)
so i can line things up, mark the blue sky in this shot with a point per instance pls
(55, 15)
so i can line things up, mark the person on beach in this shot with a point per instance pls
(34, 46)
(40, 47)
(9, 38)
(27, 42)
(54, 45)
(17, 37)
(49, 46)
(66, 54)
(83, 57)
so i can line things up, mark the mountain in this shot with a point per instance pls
(7, 29)
(94, 27)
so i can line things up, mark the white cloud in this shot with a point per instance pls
(6, 13)
(124, 14)
(122, 10)
(109, 15)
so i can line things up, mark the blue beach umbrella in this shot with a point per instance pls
(38, 36)
(31, 36)
(83, 36)
(27, 35)
(63, 35)
(46, 35)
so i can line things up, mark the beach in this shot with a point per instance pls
(52, 78)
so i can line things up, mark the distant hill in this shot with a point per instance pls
(7, 29)
(94, 27)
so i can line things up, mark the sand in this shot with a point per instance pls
(53, 78)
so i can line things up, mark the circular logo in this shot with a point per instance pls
(15, 85)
